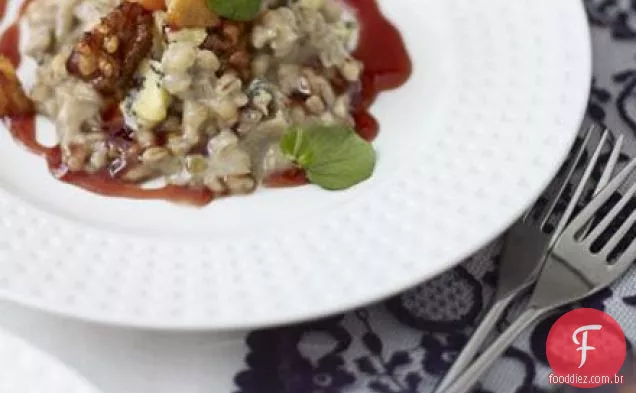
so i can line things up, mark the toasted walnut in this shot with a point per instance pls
(108, 55)
(13, 100)
(230, 42)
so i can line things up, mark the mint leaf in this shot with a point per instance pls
(295, 145)
(333, 157)
(240, 10)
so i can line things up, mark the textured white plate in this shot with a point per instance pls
(24, 369)
(497, 95)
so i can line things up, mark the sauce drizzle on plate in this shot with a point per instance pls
(3, 8)
(387, 64)
(9, 44)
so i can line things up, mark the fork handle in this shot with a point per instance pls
(476, 341)
(473, 374)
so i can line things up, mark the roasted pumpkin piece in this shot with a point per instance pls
(13, 100)
(190, 13)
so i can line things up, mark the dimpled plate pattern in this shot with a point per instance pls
(498, 91)
(24, 369)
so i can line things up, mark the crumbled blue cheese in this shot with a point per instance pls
(193, 36)
(147, 106)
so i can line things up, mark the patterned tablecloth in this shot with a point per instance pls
(406, 343)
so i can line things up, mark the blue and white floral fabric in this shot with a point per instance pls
(406, 343)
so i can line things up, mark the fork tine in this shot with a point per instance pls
(565, 219)
(592, 208)
(611, 216)
(607, 174)
(626, 259)
(545, 216)
(620, 233)
(611, 163)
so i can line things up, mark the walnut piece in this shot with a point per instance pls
(13, 101)
(230, 42)
(190, 13)
(109, 55)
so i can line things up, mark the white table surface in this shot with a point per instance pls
(120, 360)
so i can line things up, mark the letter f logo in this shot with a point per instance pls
(584, 347)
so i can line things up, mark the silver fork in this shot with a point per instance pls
(528, 242)
(572, 271)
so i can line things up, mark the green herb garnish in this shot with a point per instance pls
(333, 157)
(240, 10)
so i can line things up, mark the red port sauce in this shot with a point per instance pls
(9, 44)
(381, 49)
(3, 8)
(289, 178)
(387, 64)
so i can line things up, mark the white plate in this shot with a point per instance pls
(498, 91)
(24, 369)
